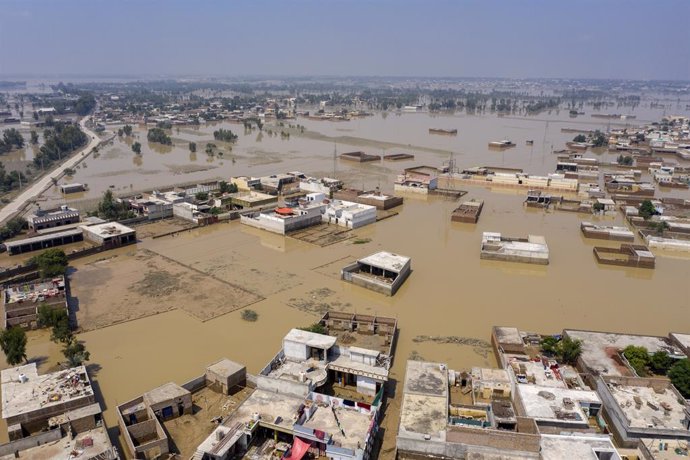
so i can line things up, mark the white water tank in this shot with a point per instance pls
(23, 378)
(302, 377)
(256, 416)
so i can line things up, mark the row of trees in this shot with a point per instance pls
(12, 228)
(225, 135)
(61, 140)
(158, 135)
(10, 180)
(126, 130)
(11, 138)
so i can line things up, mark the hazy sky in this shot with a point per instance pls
(632, 39)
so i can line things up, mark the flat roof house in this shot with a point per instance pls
(52, 218)
(383, 272)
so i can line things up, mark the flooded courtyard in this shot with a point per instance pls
(162, 310)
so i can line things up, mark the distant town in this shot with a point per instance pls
(345, 268)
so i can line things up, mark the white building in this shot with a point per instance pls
(348, 214)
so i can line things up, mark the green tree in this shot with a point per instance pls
(58, 319)
(225, 135)
(51, 262)
(13, 137)
(549, 344)
(580, 138)
(680, 377)
(317, 328)
(110, 209)
(201, 196)
(34, 137)
(127, 129)
(75, 352)
(660, 362)
(598, 139)
(136, 148)
(120, 132)
(158, 135)
(85, 104)
(638, 358)
(647, 209)
(225, 187)
(192, 146)
(570, 350)
(13, 344)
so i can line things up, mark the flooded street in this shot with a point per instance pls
(189, 313)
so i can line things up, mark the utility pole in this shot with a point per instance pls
(335, 158)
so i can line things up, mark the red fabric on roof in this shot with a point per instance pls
(298, 449)
(285, 211)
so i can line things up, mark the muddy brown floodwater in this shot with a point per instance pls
(177, 301)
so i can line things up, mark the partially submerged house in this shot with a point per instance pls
(467, 212)
(371, 198)
(420, 179)
(627, 255)
(50, 414)
(383, 272)
(606, 232)
(20, 302)
(532, 250)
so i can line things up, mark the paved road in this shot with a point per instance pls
(46, 181)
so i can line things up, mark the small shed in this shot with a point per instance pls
(225, 375)
(169, 401)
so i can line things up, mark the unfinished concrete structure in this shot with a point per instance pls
(371, 198)
(42, 219)
(468, 212)
(606, 232)
(383, 272)
(21, 301)
(532, 250)
(638, 408)
(628, 255)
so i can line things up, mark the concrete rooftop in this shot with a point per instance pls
(41, 391)
(646, 416)
(166, 392)
(547, 403)
(424, 407)
(311, 339)
(226, 368)
(62, 447)
(387, 260)
(581, 447)
(354, 424)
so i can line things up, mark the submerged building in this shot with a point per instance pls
(532, 250)
(383, 272)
